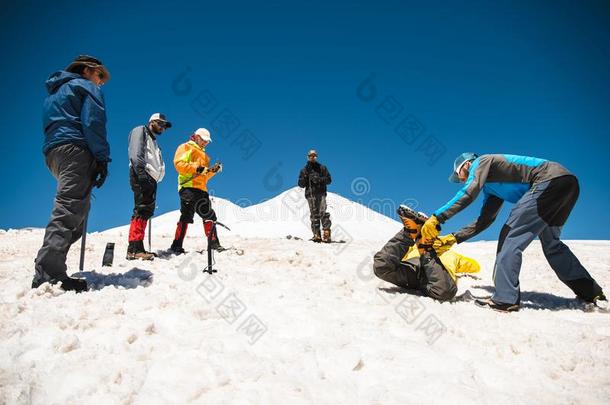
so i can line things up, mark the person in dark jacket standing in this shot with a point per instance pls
(146, 169)
(77, 155)
(544, 194)
(314, 178)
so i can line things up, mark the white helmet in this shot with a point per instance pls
(204, 134)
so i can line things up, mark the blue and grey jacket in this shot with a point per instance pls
(500, 178)
(144, 154)
(74, 113)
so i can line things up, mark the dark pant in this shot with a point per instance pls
(388, 266)
(541, 212)
(144, 195)
(73, 166)
(425, 273)
(193, 200)
(317, 213)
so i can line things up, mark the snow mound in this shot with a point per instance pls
(285, 214)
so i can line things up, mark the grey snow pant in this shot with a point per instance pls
(317, 213)
(425, 273)
(541, 213)
(73, 166)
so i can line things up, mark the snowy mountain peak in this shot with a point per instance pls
(286, 214)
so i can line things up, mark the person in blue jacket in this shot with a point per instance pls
(544, 194)
(77, 155)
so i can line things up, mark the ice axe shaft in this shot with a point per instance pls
(83, 243)
(150, 235)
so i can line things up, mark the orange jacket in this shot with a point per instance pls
(189, 156)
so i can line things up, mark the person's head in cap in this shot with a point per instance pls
(201, 137)
(312, 155)
(90, 68)
(461, 167)
(157, 123)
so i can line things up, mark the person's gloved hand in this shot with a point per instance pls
(443, 243)
(314, 178)
(202, 169)
(100, 173)
(217, 168)
(430, 230)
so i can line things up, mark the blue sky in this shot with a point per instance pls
(521, 77)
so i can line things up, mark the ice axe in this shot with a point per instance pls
(83, 238)
(209, 269)
(83, 243)
(150, 234)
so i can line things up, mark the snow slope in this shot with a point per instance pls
(290, 321)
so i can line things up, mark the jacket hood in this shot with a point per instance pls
(58, 78)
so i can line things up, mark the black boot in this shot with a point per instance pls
(67, 283)
(177, 248)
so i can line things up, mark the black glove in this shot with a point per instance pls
(216, 168)
(201, 169)
(314, 178)
(100, 173)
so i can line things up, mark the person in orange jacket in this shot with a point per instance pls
(194, 171)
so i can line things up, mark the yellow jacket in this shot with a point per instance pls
(452, 261)
(189, 156)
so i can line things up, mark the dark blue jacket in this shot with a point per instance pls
(74, 113)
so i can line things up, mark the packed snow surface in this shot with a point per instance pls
(290, 321)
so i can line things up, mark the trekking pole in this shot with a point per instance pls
(150, 231)
(83, 242)
(150, 234)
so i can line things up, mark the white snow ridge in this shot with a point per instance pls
(290, 321)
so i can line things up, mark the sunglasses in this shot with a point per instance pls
(162, 124)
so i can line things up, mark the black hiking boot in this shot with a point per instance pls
(177, 250)
(496, 306)
(66, 283)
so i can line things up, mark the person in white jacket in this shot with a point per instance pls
(146, 169)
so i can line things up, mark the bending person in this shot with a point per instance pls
(544, 194)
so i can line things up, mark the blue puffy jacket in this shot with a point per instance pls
(74, 113)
